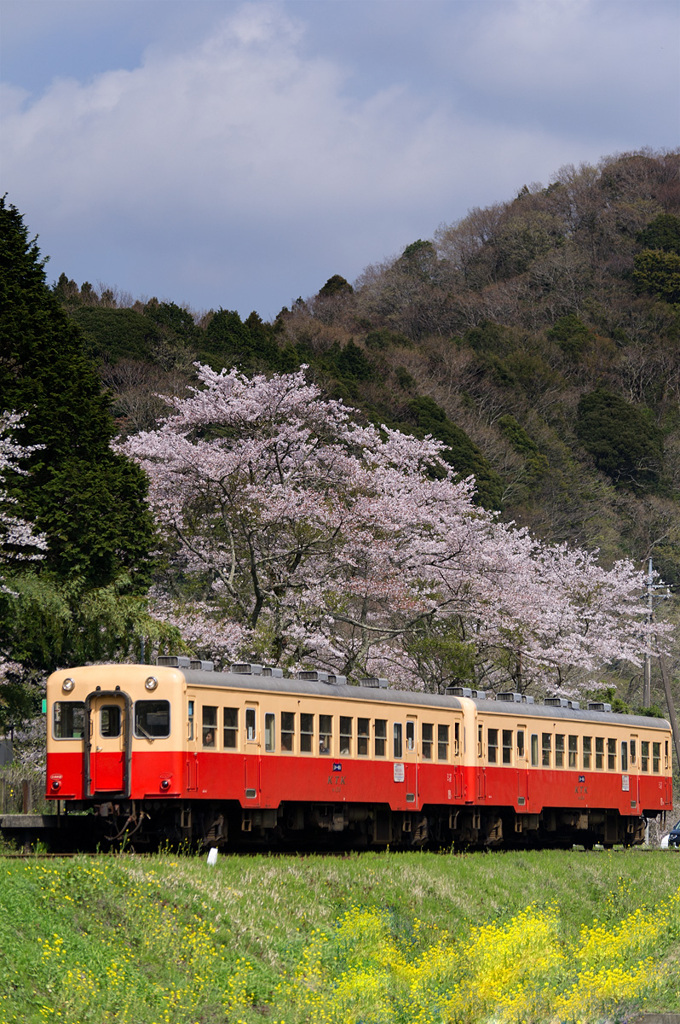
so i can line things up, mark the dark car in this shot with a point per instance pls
(674, 835)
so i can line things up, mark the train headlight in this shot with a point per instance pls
(68, 685)
(151, 683)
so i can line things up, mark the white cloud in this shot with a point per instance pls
(244, 169)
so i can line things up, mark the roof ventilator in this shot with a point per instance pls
(275, 673)
(173, 661)
(313, 675)
(202, 666)
(598, 705)
(512, 698)
(458, 691)
(556, 702)
(246, 668)
(334, 680)
(375, 682)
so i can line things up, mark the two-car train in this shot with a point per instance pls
(179, 752)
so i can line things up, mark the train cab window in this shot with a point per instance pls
(251, 724)
(573, 751)
(656, 757)
(587, 752)
(287, 730)
(345, 735)
(306, 733)
(611, 755)
(397, 731)
(380, 741)
(546, 749)
(599, 753)
(534, 749)
(270, 732)
(68, 720)
(492, 745)
(644, 756)
(209, 726)
(410, 735)
(109, 720)
(559, 750)
(520, 743)
(230, 728)
(507, 746)
(442, 742)
(363, 736)
(633, 751)
(426, 736)
(624, 756)
(325, 733)
(152, 719)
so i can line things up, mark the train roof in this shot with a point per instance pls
(406, 698)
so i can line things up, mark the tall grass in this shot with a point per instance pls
(367, 939)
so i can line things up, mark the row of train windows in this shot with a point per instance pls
(361, 736)
(560, 750)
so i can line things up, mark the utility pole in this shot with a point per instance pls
(647, 684)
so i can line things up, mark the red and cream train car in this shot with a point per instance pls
(249, 756)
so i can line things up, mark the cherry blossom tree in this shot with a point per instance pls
(302, 536)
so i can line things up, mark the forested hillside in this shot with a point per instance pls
(538, 339)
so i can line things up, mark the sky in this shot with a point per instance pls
(236, 155)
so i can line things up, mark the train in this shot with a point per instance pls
(177, 752)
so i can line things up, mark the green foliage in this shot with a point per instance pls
(535, 461)
(463, 454)
(249, 344)
(335, 285)
(658, 272)
(571, 334)
(622, 439)
(114, 334)
(89, 501)
(662, 233)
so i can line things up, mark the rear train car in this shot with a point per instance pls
(248, 757)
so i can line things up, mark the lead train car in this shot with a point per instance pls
(242, 757)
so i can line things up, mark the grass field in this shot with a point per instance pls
(371, 938)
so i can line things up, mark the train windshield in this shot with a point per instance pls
(152, 719)
(69, 720)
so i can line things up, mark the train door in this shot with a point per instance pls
(411, 759)
(457, 754)
(108, 749)
(192, 754)
(522, 765)
(632, 777)
(252, 748)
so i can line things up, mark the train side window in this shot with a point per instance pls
(456, 739)
(442, 742)
(109, 722)
(270, 731)
(624, 756)
(480, 740)
(520, 743)
(380, 737)
(492, 745)
(633, 751)
(546, 745)
(345, 735)
(611, 755)
(573, 751)
(410, 735)
(666, 765)
(656, 757)
(152, 719)
(363, 736)
(325, 733)
(599, 753)
(251, 724)
(397, 741)
(587, 752)
(190, 717)
(559, 750)
(287, 730)
(507, 746)
(306, 733)
(230, 728)
(68, 720)
(534, 749)
(426, 739)
(209, 726)
(644, 756)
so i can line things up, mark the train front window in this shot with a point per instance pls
(109, 720)
(68, 720)
(152, 719)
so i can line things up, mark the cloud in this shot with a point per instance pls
(246, 167)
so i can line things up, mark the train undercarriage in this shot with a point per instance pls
(297, 826)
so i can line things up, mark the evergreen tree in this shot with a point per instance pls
(88, 501)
